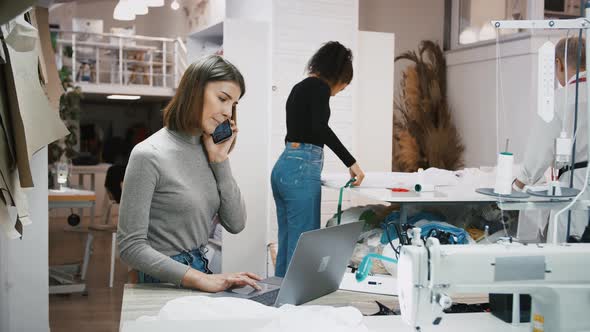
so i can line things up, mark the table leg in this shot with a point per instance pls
(81, 186)
(403, 214)
(93, 205)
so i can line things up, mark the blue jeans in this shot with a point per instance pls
(194, 258)
(297, 191)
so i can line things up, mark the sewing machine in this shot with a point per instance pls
(556, 276)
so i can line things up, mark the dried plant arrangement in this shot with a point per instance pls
(424, 134)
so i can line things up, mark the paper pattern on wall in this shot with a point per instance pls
(35, 122)
(52, 85)
(28, 122)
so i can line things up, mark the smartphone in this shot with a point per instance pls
(222, 133)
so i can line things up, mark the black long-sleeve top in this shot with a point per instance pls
(308, 112)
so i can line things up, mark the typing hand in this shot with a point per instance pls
(219, 282)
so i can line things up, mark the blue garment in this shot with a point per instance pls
(435, 223)
(297, 191)
(194, 258)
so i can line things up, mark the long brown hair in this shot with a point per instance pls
(184, 111)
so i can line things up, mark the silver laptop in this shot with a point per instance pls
(316, 268)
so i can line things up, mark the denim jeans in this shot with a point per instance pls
(296, 188)
(194, 258)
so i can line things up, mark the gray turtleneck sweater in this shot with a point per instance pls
(171, 193)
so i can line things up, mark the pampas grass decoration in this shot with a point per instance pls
(424, 134)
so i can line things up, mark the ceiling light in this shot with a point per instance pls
(139, 7)
(123, 97)
(174, 5)
(123, 11)
(154, 3)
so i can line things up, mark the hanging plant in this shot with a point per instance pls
(424, 134)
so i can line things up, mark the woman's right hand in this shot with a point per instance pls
(218, 152)
(214, 283)
(357, 173)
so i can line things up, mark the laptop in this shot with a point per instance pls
(316, 268)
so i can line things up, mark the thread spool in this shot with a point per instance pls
(503, 184)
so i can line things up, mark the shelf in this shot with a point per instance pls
(108, 45)
(101, 90)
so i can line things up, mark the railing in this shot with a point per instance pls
(105, 58)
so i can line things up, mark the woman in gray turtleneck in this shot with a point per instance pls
(177, 180)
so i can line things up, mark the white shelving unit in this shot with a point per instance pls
(106, 63)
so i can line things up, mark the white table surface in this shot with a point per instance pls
(139, 300)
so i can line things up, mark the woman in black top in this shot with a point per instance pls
(295, 178)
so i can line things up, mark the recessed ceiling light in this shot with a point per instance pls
(123, 97)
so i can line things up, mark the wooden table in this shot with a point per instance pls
(71, 198)
(66, 276)
(147, 299)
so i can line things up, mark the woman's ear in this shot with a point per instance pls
(559, 65)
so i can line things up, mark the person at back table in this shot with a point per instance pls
(540, 150)
(296, 176)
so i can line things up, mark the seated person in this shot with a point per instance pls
(114, 182)
(178, 179)
(540, 153)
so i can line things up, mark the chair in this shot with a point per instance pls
(113, 185)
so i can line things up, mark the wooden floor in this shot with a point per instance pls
(100, 310)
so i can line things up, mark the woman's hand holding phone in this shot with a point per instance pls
(224, 135)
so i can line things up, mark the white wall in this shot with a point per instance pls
(410, 20)
(246, 251)
(24, 299)
(374, 100)
(373, 122)
(257, 10)
(472, 96)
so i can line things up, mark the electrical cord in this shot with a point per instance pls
(399, 236)
(347, 185)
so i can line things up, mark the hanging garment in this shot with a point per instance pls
(51, 82)
(34, 122)
(27, 119)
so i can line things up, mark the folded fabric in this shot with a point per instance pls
(287, 318)
(316, 319)
(211, 308)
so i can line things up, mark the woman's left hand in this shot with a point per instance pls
(218, 152)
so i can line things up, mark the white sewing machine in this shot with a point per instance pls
(556, 276)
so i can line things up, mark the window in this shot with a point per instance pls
(475, 17)
(562, 8)
(468, 21)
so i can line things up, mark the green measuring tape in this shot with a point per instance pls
(347, 185)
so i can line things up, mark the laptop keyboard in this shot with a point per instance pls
(269, 298)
